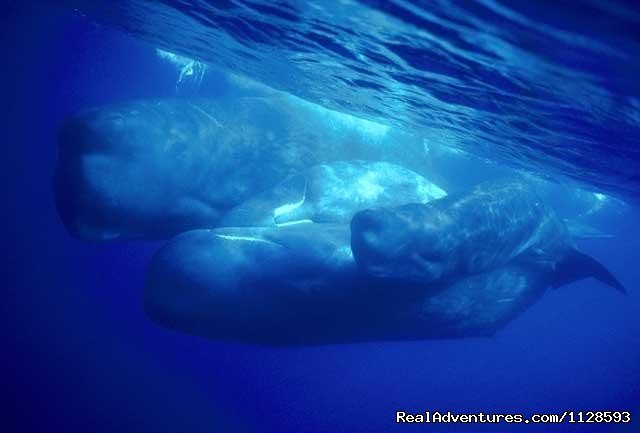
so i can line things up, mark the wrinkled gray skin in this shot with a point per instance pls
(333, 193)
(459, 235)
(299, 285)
(151, 169)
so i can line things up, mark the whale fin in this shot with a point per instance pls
(293, 211)
(580, 230)
(577, 265)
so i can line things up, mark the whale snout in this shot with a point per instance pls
(386, 244)
(367, 229)
(374, 240)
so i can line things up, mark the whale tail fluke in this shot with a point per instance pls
(577, 266)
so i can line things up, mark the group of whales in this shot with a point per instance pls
(321, 242)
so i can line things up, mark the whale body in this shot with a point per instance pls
(251, 284)
(467, 234)
(333, 193)
(150, 169)
(300, 285)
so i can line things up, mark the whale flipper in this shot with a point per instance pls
(577, 265)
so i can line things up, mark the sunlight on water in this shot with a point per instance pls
(523, 84)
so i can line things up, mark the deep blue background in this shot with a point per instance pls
(79, 354)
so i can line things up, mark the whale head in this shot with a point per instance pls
(398, 243)
(130, 170)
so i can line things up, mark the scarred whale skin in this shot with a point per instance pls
(468, 234)
(154, 168)
(299, 285)
(333, 193)
(458, 235)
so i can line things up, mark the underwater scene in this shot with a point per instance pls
(323, 216)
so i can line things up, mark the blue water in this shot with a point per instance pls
(547, 86)
(537, 87)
